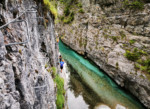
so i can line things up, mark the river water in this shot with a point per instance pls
(90, 88)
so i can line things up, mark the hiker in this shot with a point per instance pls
(61, 65)
(57, 40)
(60, 58)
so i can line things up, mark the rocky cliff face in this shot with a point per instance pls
(24, 81)
(109, 33)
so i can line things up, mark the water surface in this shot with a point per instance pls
(102, 88)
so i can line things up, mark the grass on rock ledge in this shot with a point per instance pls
(60, 88)
(71, 7)
(50, 5)
(134, 4)
(60, 92)
(141, 59)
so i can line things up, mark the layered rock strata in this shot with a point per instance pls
(104, 32)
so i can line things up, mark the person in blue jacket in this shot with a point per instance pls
(61, 65)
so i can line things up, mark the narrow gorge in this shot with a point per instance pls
(105, 45)
(115, 35)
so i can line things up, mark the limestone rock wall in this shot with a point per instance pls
(24, 81)
(104, 32)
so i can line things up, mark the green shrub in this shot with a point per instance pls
(61, 18)
(54, 71)
(125, 45)
(20, 51)
(106, 36)
(147, 62)
(60, 92)
(69, 19)
(51, 7)
(79, 5)
(105, 30)
(46, 65)
(115, 38)
(140, 61)
(135, 50)
(81, 10)
(143, 68)
(72, 16)
(60, 101)
(137, 66)
(49, 70)
(144, 62)
(126, 3)
(142, 52)
(122, 34)
(143, 65)
(67, 11)
(132, 41)
(136, 4)
(133, 56)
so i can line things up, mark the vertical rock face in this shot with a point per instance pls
(104, 32)
(24, 81)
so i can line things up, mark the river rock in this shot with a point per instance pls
(120, 107)
(102, 107)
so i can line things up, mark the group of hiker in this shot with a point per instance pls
(60, 58)
(61, 63)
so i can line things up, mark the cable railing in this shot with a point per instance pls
(16, 20)
(41, 86)
(38, 18)
(42, 58)
(27, 35)
(24, 42)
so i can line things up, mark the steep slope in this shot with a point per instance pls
(115, 35)
(27, 49)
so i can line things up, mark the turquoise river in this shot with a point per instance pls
(99, 85)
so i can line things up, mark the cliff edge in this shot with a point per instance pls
(27, 49)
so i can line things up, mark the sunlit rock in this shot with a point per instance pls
(120, 107)
(102, 107)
